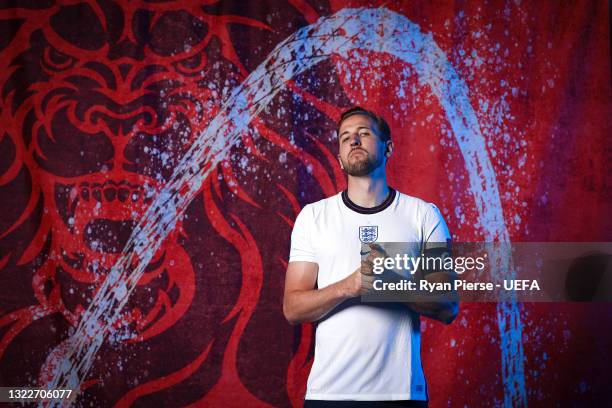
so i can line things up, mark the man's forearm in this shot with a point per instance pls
(446, 305)
(440, 306)
(302, 306)
(444, 311)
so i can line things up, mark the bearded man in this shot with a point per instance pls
(366, 354)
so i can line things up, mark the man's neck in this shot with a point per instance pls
(369, 191)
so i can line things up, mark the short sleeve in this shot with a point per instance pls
(302, 249)
(434, 228)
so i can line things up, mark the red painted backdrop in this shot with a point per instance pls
(100, 99)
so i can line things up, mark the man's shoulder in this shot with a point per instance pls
(413, 201)
(323, 204)
(418, 205)
(316, 210)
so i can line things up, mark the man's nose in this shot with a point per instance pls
(355, 141)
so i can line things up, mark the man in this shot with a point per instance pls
(366, 354)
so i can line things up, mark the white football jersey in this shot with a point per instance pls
(364, 351)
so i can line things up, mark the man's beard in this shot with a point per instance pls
(361, 168)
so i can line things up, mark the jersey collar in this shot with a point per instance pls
(371, 210)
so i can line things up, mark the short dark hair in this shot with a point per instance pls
(382, 126)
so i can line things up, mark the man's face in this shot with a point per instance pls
(361, 149)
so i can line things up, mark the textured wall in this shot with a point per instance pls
(500, 113)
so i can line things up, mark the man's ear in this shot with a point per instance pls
(390, 148)
(340, 161)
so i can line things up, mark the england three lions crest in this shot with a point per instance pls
(368, 233)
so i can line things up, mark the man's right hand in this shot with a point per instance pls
(361, 280)
(303, 303)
